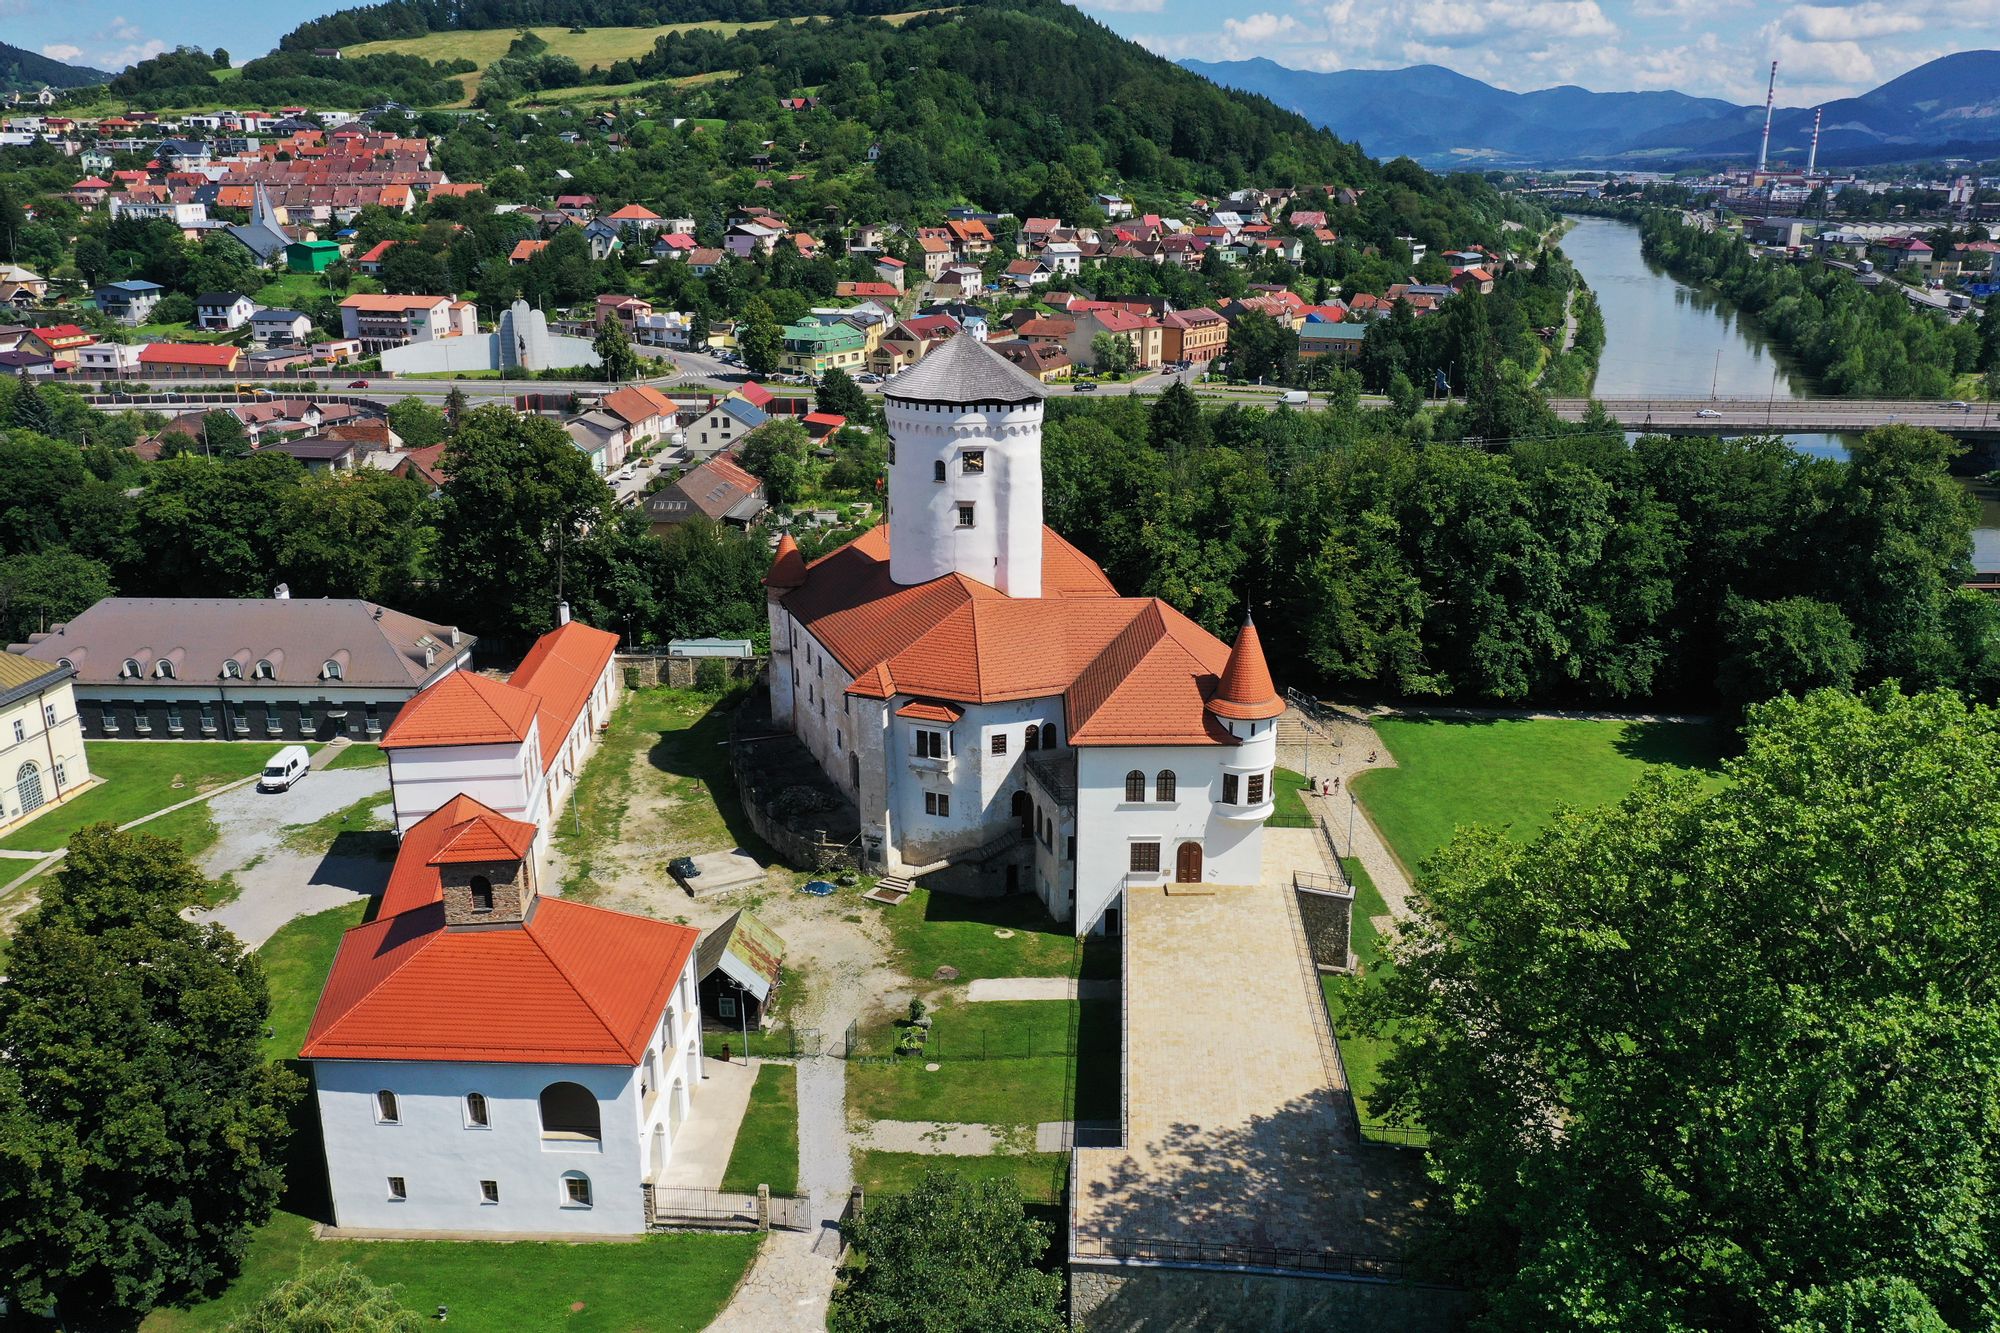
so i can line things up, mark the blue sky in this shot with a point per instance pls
(1716, 48)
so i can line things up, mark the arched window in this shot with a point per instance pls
(131, 667)
(263, 671)
(232, 669)
(1018, 807)
(570, 1112)
(329, 670)
(65, 664)
(1163, 785)
(1034, 738)
(937, 470)
(163, 670)
(476, 1114)
(482, 894)
(1135, 786)
(1048, 735)
(28, 786)
(386, 1111)
(576, 1190)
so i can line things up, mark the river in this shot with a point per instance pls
(1665, 338)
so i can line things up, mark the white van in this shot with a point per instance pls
(284, 768)
(1295, 398)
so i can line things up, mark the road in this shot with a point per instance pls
(1803, 416)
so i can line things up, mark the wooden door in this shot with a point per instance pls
(1187, 864)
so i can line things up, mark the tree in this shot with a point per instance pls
(408, 266)
(336, 1298)
(418, 423)
(760, 340)
(839, 394)
(776, 452)
(949, 1257)
(1790, 646)
(39, 588)
(1063, 196)
(1263, 350)
(360, 534)
(455, 404)
(141, 1124)
(1175, 425)
(222, 435)
(1110, 353)
(1685, 1056)
(615, 356)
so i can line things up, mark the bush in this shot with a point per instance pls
(711, 676)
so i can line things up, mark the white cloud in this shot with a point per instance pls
(1262, 27)
(1849, 23)
(1124, 6)
(61, 51)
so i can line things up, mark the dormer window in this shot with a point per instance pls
(65, 664)
(232, 669)
(131, 668)
(263, 670)
(163, 670)
(329, 670)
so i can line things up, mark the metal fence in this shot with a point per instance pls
(685, 1207)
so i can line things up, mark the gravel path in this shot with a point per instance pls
(1336, 753)
(1038, 988)
(276, 882)
(930, 1136)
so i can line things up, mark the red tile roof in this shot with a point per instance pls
(1245, 691)
(189, 354)
(788, 566)
(561, 670)
(927, 710)
(573, 985)
(464, 708)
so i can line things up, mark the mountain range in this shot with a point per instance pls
(1950, 106)
(25, 72)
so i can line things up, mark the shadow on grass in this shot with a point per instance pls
(1684, 744)
(700, 752)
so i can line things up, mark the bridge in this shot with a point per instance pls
(1785, 416)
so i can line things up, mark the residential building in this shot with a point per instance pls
(727, 422)
(174, 668)
(1143, 333)
(1128, 747)
(129, 302)
(311, 256)
(1342, 341)
(280, 328)
(42, 760)
(718, 489)
(188, 360)
(603, 437)
(65, 342)
(647, 413)
(814, 349)
(111, 359)
(21, 287)
(1198, 335)
(1047, 362)
(218, 311)
(381, 321)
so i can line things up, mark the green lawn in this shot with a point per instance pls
(1041, 1177)
(1513, 774)
(767, 1143)
(357, 829)
(296, 960)
(1289, 807)
(360, 754)
(662, 1284)
(673, 742)
(999, 1063)
(139, 777)
(928, 931)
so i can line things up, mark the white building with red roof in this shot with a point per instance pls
(980, 689)
(487, 1059)
(515, 746)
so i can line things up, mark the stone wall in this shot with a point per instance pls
(791, 803)
(1328, 921)
(678, 672)
(1181, 1300)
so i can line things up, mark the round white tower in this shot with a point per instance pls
(965, 469)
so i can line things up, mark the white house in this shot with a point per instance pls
(514, 746)
(108, 358)
(487, 1059)
(975, 682)
(217, 311)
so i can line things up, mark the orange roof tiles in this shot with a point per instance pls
(926, 710)
(788, 567)
(189, 354)
(636, 402)
(561, 670)
(571, 985)
(484, 837)
(1245, 691)
(464, 708)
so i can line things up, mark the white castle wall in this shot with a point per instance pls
(1003, 547)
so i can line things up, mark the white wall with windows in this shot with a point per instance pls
(42, 759)
(471, 1146)
(506, 777)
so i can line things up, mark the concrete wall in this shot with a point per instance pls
(1003, 547)
(505, 777)
(1171, 1300)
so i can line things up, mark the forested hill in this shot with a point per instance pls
(414, 18)
(24, 71)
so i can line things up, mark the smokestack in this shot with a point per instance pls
(282, 592)
(562, 613)
(1770, 104)
(1812, 160)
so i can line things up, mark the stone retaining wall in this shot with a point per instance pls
(1182, 1300)
(678, 672)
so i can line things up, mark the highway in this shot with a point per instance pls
(1790, 416)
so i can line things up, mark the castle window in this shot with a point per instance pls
(1229, 789)
(937, 470)
(576, 1190)
(386, 1110)
(1048, 735)
(999, 742)
(477, 1116)
(399, 1190)
(1163, 786)
(570, 1112)
(1145, 858)
(482, 894)
(1032, 733)
(937, 803)
(1256, 789)
(930, 744)
(489, 1191)
(972, 461)
(1135, 786)
(965, 516)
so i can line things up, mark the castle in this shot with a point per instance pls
(980, 690)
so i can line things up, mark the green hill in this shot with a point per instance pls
(25, 72)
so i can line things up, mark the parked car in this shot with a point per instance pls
(1086, 386)
(284, 768)
(683, 868)
(357, 384)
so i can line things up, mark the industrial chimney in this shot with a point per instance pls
(1770, 104)
(1812, 160)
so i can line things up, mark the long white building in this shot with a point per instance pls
(970, 678)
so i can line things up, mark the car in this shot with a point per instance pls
(284, 768)
(1960, 404)
(1086, 386)
(868, 377)
(357, 384)
(1707, 414)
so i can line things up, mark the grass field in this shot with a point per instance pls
(360, 823)
(1041, 1177)
(928, 931)
(1361, 1056)
(137, 778)
(360, 754)
(1288, 806)
(999, 1063)
(1514, 774)
(767, 1143)
(296, 960)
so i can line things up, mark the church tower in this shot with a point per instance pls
(965, 469)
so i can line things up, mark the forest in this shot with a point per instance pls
(1854, 341)
(414, 18)
(186, 76)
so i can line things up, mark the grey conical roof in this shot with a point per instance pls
(963, 369)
